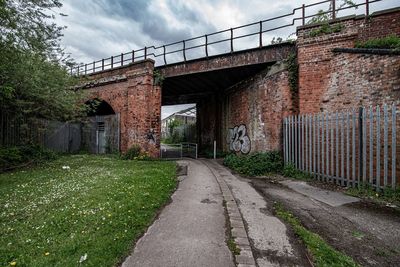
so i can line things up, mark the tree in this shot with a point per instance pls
(33, 67)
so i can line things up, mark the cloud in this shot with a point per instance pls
(101, 28)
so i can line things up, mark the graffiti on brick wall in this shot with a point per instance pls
(151, 137)
(238, 140)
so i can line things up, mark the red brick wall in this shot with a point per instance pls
(259, 103)
(137, 101)
(318, 65)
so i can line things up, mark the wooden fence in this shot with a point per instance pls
(350, 148)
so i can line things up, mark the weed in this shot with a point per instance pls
(323, 254)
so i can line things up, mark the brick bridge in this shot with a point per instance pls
(247, 93)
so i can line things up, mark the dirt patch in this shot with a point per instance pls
(367, 234)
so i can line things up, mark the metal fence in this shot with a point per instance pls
(206, 43)
(178, 151)
(98, 134)
(350, 148)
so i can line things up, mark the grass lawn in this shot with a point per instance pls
(50, 216)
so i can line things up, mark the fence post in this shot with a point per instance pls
(364, 142)
(165, 59)
(231, 40)
(371, 145)
(303, 14)
(366, 9)
(145, 52)
(206, 46)
(112, 62)
(378, 148)
(184, 51)
(394, 108)
(122, 59)
(333, 9)
(385, 146)
(102, 64)
(260, 40)
(133, 56)
(360, 143)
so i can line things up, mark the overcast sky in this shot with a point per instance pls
(100, 28)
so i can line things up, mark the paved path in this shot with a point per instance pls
(271, 243)
(190, 231)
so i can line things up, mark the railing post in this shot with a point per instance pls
(133, 56)
(94, 66)
(366, 9)
(260, 41)
(184, 50)
(122, 59)
(303, 14)
(165, 60)
(78, 69)
(333, 9)
(102, 64)
(85, 69)
(145, 52)
(231, 40)
(206, 45)
(112, 61)
(360, 144)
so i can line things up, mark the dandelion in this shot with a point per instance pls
(47, 253)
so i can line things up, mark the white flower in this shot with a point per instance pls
(83, 258)
(66, 167)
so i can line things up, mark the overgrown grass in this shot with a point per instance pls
(388, 42)
(385, 195)
(322, 253)
(256, 164)
(291, 171)
(79, 205)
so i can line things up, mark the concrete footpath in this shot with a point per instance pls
(190, 231)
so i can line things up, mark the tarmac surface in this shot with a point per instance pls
(190, 231)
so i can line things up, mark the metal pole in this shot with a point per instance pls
(215, 149)
(260, 41)
(333, 9)
(122, 59)
(165, 60)
(231, 40)
(206, 45)
(184, 51)
(303, 14)
(366, 8)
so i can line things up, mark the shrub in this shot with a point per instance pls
(291, 171)
(388, 42)
(256, 164)
(132, 153)
(14, 157)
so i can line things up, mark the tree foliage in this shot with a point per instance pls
(33, 74)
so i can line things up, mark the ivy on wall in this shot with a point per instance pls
(293, 73)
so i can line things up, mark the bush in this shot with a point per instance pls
(14, 157)
(256, 164)
(388, 42)
(132, 153)
(291, 171)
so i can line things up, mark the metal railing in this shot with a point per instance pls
(178, 151)
(351, 148)
(162, 51)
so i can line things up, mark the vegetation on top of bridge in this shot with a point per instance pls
(205, 41)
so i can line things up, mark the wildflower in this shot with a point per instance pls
(47, 253)
(83, 258)
(13, 263)
(377, 195)
(66, 168)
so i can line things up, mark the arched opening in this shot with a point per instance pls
(98, 107)
(101, 130)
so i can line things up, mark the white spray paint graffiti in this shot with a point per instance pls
(238, 140)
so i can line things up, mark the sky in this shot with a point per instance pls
(98, 29)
